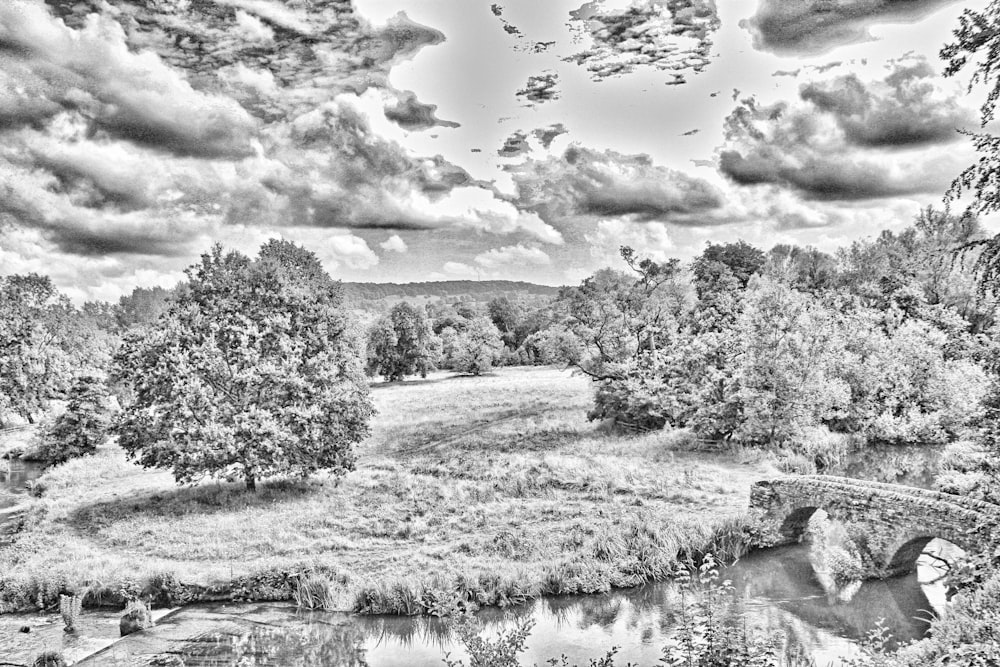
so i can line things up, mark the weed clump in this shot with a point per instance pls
(70, 607)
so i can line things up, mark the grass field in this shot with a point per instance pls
(498, 480)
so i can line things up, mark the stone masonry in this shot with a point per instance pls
(894, 523)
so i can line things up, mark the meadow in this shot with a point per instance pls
(471, 490)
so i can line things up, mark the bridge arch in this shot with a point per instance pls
(897, 521)
(794, 526)
(904, 557)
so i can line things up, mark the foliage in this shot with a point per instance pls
(49, 659)
(34, 364)
(977, 46)
(710, 632)
(83, 425)
(475, 350)
(786, 365)
(401, 344)
(726, 267)
(251, 373)
(501, 652)
(615, 316)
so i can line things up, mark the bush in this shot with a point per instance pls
(49, 659)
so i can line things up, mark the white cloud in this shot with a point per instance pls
(252, 28)
(393, 244)
(512, 258)
(273, 12)
(648, 239)
(260, 81)
(128, 94)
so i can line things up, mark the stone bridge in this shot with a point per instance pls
(891, 524)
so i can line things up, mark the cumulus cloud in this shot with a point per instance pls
(848, 139)
(649, 239)
(585, 182)
(252, 28)
(512, 258)
(411, 114)
(814, 26)
(673, 35)
(540, 88)
(134, 96)
(394, 244)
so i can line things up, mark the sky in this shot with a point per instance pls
(463, 139)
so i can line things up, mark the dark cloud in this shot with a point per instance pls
(409, 113)
(80, 231)
(127, 95)
(291, 41)
(515, 145)
(546, 135)
(842, 140)
(540, 88)
(585, 182)
(646, 33)
(814, 26)
(903, 110)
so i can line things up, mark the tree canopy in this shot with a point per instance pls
(252, 372)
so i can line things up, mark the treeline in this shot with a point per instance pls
(464, 337)
(473, 290)
(888, 339)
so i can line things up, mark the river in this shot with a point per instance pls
(777, 588)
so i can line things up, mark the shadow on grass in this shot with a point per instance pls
(206, 498)
(416, 382)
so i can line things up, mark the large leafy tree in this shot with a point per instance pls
(976, 47)
(401, 344)
(617, 316)
(478, 347)
(252, 372)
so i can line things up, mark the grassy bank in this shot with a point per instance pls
(485, 490)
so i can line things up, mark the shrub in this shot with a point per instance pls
(49, 659)
(501, 652)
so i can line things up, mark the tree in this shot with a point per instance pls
(505, 316)
(142, 307)
(401, 344)
(34, 364)
(252, 372)
(616, 316)
(977, 44)
(724, 267)
(477, 348)
(785, 373)
(82, 427)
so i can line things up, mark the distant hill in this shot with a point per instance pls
(477, 290)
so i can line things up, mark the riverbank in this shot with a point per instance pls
(485, 490)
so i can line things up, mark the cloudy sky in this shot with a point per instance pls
(462, 139)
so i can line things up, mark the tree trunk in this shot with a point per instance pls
(251, 482)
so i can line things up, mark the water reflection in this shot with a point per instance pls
(777, 587)
(15, 474)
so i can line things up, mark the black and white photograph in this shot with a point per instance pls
(499, 333)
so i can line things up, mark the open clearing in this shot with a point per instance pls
(501, 474)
